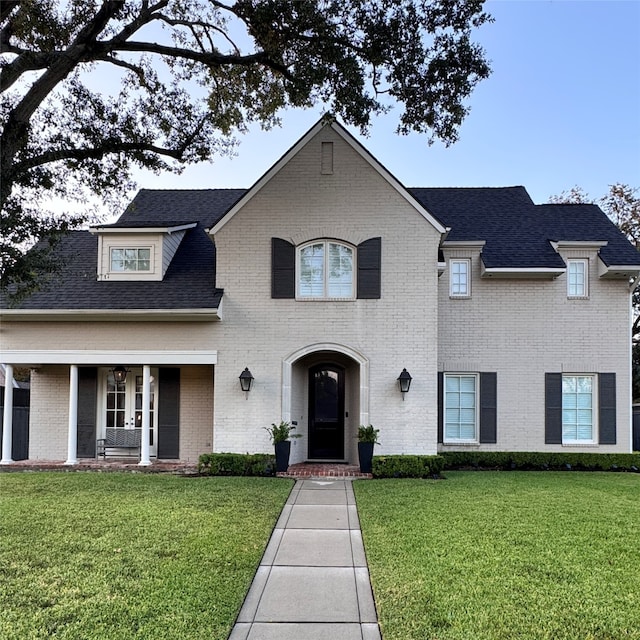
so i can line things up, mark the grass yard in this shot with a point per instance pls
(87, 555)
(499, 555)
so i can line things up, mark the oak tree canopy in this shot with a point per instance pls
(90, 90)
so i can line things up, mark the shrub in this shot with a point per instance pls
(400, 466)
(237, 464)
(537, 460)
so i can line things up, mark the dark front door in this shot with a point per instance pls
(326, 412)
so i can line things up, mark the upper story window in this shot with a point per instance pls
(325, 270)
(130, 259)
(460, 278)
(577, 278)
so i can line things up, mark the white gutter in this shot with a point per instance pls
(111, 315)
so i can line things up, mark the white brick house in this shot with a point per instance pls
(326, 279)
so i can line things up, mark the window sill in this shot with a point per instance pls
(586, 443)
(459, 297)
(325, 299)
(461, 443)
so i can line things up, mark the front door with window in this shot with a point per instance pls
(123, 404)
(326, 412)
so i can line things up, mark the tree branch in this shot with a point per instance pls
(16, 127)
(208, 58)
(110, 146)
(6, 7)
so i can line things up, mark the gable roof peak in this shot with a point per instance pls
(329, 121)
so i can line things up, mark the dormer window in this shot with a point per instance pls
(130, 259)
(325, 270)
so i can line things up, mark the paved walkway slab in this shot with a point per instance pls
(313, 581)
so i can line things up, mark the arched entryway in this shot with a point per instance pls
(325, 394)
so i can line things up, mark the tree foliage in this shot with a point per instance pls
(622, 206)
(90, 90)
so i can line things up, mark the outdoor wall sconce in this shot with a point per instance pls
(120, 373)
(246, 380)
(404, 382)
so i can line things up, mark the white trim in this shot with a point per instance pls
(168, 230)
(617, 271)
(578, 244)
(292, 358)
(114, 357)
(522, 272)
(112, 315)
(463, 244)
(356, 146)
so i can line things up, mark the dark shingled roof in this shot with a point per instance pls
(517, 233)
(189, 282)
(173, 207)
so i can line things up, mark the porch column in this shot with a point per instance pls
(72, 441)
(7, 429)
(145, 461)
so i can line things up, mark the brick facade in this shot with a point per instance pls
(518, 327)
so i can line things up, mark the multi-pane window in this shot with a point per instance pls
(460, 410)
(130, 259)
(577, 278)
(325, 270)
(460, 278)
(577, 409)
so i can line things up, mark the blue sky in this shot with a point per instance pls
(561, 108)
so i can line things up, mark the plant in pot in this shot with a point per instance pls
(367, 439)
(281, 435)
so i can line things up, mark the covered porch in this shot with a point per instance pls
(96, 401)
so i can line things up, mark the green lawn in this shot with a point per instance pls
(491, 555)
(88, 555)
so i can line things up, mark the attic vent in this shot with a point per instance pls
(327, 158)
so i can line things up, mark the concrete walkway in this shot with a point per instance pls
(313, 581)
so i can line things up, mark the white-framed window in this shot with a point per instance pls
(578, 410)
(129, 259)
(460, 278)
(460, 407)
(325, 270)
(578, 278)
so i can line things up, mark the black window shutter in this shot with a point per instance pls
(169, 413)
(553, 408)
(369, 264)
(440, 406)
(87, 411)
(607, 407)
(488, 407)
(283, 263)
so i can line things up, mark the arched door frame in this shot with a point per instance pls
(292, 358)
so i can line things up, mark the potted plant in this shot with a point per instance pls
(367, 439)
(280, 435)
